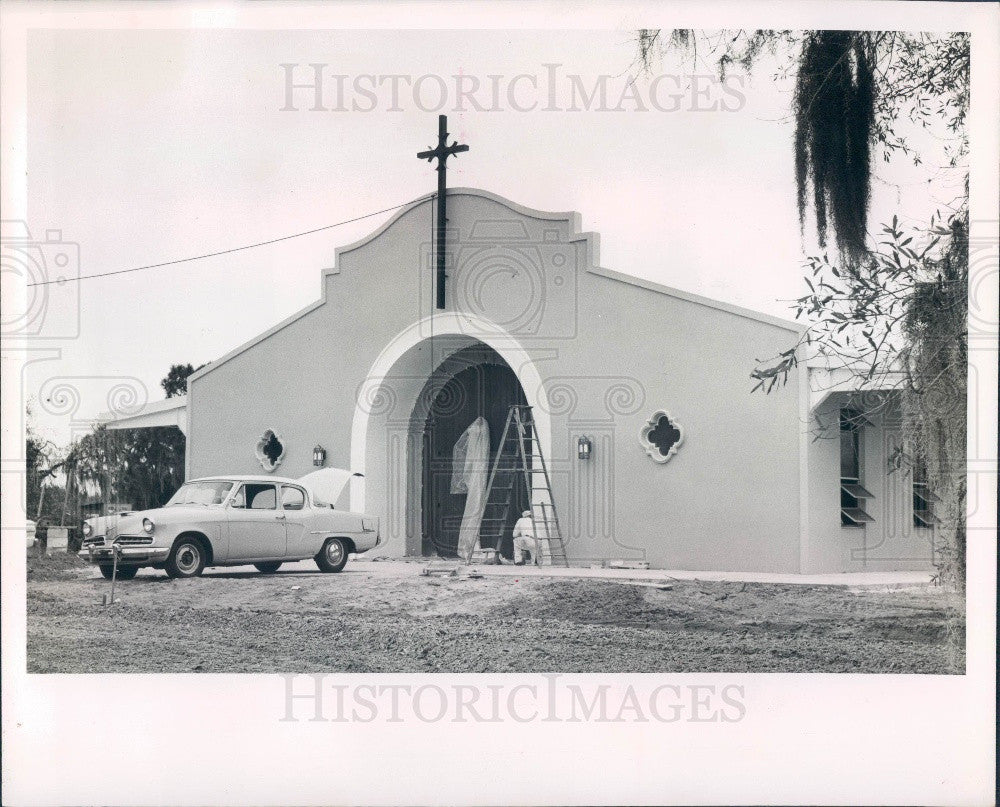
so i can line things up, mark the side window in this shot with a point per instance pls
(292, 498)
(262, 497)
(853, 495)
(923, 498)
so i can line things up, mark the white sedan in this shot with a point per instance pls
(233, 521)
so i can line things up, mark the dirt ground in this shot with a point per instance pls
(382, 617)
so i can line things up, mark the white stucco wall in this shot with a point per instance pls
(606, 352)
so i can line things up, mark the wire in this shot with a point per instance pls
(234, 249)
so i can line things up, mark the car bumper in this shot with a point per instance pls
(126, 554)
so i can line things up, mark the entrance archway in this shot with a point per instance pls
(387, 428)
(474, 382)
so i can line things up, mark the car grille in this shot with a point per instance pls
(134, 540)
(97, 540)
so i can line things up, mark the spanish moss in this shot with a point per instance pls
(834, 114)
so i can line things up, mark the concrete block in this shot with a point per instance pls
(57, 541)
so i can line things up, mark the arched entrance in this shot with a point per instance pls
(473, 382)
(391, 414)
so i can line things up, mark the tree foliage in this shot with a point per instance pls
(853, 89)
(890, 307)
(935, 359)
(834, 114)
(142, 467)
(898, 322)
(138, 467)
(42, 464)
(175, 382)
(859, 313)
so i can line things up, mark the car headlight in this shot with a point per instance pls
(148, 525)
(87, 530)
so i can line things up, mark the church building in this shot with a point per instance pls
(655, 449)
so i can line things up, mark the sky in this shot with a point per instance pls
(150, 146)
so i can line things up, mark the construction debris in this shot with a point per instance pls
(626, 564)
(644, 584)
(486, 556)
(440, 568)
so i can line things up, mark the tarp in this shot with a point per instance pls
(470, 461)
(326, 484)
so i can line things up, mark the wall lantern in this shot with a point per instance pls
(583, 447)
(319, 456)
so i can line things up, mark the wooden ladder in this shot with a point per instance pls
(520, 453)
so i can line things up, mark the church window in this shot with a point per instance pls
(853, 495)
(661, 436)
(270, 451)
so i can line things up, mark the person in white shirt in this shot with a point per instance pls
(524, 539)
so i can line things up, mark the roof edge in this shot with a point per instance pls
(545, 215)
(591, 240)
(697, 299)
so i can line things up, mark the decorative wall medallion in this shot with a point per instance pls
(270, 451)
(661, 436)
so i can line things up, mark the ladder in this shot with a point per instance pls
(520, 454)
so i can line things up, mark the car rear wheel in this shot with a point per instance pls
(124, 572)
(333, 556)
(186, 559)
(268, 568)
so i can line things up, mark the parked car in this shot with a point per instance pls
(233, 521)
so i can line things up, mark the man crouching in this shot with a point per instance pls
(524, 540)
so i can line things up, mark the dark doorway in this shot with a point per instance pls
(479, 383)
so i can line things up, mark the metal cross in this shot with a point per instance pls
(441, 154)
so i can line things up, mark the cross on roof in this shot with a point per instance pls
(441, 154)
(443, 150)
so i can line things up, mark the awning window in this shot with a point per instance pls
(923, 502)
(855, 489)
(921, 490)
(855, 516)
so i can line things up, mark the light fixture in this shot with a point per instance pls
(583, 447)
(319, 456)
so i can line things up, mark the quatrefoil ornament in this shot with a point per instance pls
(661, 436)
(270, 450)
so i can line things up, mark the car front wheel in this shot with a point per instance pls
(186, 559)
(268, 568)
(333, 556)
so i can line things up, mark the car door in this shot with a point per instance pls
(294, 505)
(256, 523)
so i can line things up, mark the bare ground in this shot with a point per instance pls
(377, 617)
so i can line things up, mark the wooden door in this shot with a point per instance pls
(487, 390)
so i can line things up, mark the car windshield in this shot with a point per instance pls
(213, 492)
